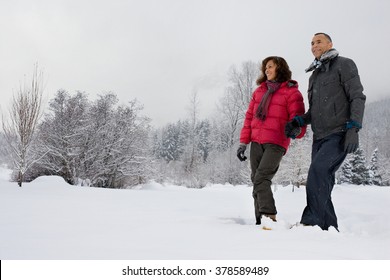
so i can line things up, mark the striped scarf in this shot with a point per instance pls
(325, 57)
(262, 110)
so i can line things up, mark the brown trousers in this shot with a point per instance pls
(265, 160)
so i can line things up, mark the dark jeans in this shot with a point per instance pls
(265, 160)
(327, 156)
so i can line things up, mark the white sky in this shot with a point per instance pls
(160, 51)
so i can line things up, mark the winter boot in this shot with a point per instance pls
(271, 216)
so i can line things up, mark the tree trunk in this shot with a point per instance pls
(20, 179)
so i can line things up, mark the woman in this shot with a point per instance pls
(276, 101)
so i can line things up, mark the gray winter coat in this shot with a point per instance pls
(335, 97)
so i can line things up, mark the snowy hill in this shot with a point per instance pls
(49, 219)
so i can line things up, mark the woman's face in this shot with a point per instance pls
(270, 70)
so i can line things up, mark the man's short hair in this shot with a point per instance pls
(326, 35)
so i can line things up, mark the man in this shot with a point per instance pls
(336, 107)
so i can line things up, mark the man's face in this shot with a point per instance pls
(319, 45)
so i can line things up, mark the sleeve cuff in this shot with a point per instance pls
(300, 120)
(352, 123)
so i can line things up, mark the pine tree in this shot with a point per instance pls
(346, 172)
(378, 135)
(170, 149)
(375, 177)
(204, 145)
(360, 174)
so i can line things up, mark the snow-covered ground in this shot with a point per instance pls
(49, 219)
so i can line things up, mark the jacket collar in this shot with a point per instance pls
(323, 61)
(289, 84)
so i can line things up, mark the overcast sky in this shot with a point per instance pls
(160, 51)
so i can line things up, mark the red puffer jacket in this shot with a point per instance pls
(286, 103)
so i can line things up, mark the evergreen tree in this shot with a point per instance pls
(204, 145)
(156, 143)
(374, 176)
(360, 175)
(346, 172)
(170, 149)
(378, 135)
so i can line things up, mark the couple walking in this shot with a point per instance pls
(276, 113)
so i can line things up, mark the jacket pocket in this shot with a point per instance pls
(330, 79)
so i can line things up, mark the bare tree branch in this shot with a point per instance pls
(19, 129)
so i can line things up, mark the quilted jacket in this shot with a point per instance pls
(286, 103)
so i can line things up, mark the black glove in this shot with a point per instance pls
(351, 140)
(241, 152)
(292, 129)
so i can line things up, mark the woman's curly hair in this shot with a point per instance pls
(283, 72)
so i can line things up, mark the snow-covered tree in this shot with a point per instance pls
(20, 127)
(62, 136)
(359, 170)
(234, 103)
(171, 145)
(97, 143)
(203, 130)
(191, 156)
(376, 134)
(227, 126)
(346, 173)
(119, 143)
(295, 163)
(373, 169)
(242, 84)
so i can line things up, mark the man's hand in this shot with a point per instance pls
(351, 140)
(292, 129)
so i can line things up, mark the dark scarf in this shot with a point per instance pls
(325, 57)
(262, 110)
